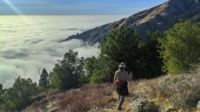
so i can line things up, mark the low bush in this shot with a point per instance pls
(179, 92)
(182, 90)
(86, 98)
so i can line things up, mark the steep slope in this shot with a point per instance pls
(158, 18)
(169, 93)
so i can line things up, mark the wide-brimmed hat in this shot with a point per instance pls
(122, 64)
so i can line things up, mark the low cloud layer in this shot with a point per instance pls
(28, 62)
(30, 43)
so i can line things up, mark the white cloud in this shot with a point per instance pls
(87, 51)
(28, 47)
(29, 62)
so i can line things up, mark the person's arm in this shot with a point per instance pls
(128, 77)
(115, 77)
(131, 76)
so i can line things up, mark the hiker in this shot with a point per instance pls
(121, 79)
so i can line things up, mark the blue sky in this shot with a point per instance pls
(75, 7)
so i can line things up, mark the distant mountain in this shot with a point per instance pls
(158, 18)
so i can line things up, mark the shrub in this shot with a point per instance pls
(182, 90)
(170, 92)
(181, 47)
(86, 98)
(19, 95)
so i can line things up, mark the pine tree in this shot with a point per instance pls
(44, 81)
(120, 45)
(1, 91)
(67, 73)
(1, 88)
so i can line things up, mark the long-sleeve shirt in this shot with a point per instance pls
(121, 75)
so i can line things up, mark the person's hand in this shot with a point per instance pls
(131, 75)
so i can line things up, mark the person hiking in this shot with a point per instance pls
(121, 79)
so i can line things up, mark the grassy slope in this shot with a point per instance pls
(170, 92)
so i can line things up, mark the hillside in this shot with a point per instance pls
(170, 93)
(158, 18)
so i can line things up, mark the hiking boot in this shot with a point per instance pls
(119, 108)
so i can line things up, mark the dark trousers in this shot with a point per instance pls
(122, 92)
(120, 101)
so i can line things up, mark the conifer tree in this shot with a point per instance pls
(44, 80)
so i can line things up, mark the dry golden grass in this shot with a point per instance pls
(196, 110)
(170, 92)
(87, 98)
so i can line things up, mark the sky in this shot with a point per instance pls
(75, 7)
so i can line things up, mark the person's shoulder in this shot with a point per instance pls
(116, 72)
(126, 72)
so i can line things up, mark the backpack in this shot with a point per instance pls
(117, 83)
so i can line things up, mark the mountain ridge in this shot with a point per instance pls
(158, 18)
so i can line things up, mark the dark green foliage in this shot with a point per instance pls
(67, 73)
(181, 47)
(89, 67)
(102, 71)
(1, 89)
(121, 44)
(44, 79)
(19, 95)
(150, 60)
(125, 45)
(1, 92)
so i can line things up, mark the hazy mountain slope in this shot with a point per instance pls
(158, 18)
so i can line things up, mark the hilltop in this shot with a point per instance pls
(158, 18)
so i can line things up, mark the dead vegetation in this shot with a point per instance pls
(87, 98)
(170, 92)
(84, 99)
